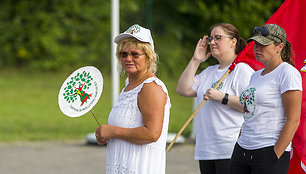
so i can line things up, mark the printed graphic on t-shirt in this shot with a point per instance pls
(219, 87)
(247, 101)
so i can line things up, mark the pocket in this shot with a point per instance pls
(274, 154)
(269, 154)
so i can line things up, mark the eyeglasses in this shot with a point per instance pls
(265, 32)
(216, 38)
(133, 54)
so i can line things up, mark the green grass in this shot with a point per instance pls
(29, 108)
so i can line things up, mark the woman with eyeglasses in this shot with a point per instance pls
(271, 104)
(217, 124)
(138, 122)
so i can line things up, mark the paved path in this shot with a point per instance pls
(76, 157)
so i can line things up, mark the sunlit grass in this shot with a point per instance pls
(29, 108)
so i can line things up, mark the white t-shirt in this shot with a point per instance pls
(218, 125)
(264, 111)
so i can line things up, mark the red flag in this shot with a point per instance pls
(296, 166)
(292, 17)
(247, 56)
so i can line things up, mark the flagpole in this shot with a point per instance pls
(114, 62)
(195, 112)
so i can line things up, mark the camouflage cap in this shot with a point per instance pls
(268, 34)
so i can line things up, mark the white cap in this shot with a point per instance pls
(138, 32)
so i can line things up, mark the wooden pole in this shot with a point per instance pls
(195, 112)
(95, 117)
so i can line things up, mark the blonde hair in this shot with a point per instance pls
(152, 57)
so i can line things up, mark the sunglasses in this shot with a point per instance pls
(216, 38)
(125, 54)
(265, 32)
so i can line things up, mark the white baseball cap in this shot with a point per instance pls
(138, 32)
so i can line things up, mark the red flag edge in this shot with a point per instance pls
(247, 56)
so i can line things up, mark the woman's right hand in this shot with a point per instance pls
(100, 135)
(200, 53)
(214, 94)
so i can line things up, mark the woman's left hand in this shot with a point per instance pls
(214, 94)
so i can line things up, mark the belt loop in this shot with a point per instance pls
(251, 157)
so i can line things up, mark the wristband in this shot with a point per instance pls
(225, 99)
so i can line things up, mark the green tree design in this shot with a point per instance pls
(250, 94)
(74, 85)
(219, 87)
(251, 99)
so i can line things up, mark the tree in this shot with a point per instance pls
(51, 34)
(54, 34)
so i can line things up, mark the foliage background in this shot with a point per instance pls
(55, 34)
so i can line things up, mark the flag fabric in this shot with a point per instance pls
(292, 17)
(296, 165)
(247, 56)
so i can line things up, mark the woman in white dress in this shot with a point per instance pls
(138, 122)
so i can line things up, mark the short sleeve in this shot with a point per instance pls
(198, 79)
(243, 73)
(290, 79)
(196, 82)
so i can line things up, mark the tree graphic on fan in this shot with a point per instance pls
(77, 86)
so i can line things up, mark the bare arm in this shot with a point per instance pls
(216, 95)
(151, 102)
(292, 105)
(184, 86)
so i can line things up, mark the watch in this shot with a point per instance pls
(225, 99)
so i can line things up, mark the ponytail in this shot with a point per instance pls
(287, 53)
(240, 45)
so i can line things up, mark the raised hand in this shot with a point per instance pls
(200, 53)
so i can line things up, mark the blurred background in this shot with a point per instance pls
(43, 42)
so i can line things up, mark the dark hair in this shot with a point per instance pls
(287, 53)
(234, 33)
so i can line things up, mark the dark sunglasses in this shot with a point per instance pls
(265, 32)
(133, 54)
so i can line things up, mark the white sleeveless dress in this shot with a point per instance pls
(123, 157)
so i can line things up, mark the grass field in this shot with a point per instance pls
(29, 108)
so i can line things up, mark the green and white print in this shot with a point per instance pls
(247, 101)
(219, 87)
